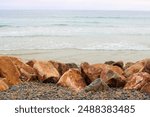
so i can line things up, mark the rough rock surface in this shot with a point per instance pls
(72, 79)
(9, 71)
(45, 70)
(137, 80)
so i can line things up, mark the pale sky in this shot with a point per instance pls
(76, 4)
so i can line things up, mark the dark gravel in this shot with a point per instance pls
(41, 91)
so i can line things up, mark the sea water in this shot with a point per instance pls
(92, 30)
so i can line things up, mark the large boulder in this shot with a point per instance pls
(45, 70)
(137, 80)
(3, 85)
(97, 85)
(9, 71)
(72, 79)
(26, 71)
(137, 67)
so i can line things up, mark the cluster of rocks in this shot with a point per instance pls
(82, 78)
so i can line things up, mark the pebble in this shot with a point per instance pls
(49, 91)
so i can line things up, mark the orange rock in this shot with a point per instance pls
(61, 67)
(72, 79)
(146, 88)
(9, 71)
(3, 85)
(137, 80)
(92, 72)
(89, 72)
(109, 67)
(112, 75)
(45, 70)
(135, 68)
(27, 72)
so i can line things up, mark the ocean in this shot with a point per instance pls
(91, 30)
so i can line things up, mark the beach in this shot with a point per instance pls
(78, 56)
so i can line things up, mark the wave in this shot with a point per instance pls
(65, 45)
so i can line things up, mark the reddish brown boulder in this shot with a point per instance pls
(137, 80)
(3, 85)
(89, 72)
(27, 72)
(61, 67)
(146, 88)
(45, 70)
(72, 79)
(9, 71)
(137, 67)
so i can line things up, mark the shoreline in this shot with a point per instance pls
(78, 56)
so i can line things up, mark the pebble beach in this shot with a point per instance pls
(49, 91)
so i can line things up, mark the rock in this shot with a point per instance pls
(72, 65)
(96, 85)
(128, 64)
(26, 71)
(3, 85)
(137, 80)
(9, 71)
(119, 64)
(135, 68)
(146, 66)
(61, 67)
(146, 88)
(109, 62)
(89, 72)
(45, 70)
(72, 79)
(112, 78)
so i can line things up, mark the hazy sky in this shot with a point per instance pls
(76, 4)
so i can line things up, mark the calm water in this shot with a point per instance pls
(107, 30)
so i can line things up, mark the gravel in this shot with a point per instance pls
(42, 91)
